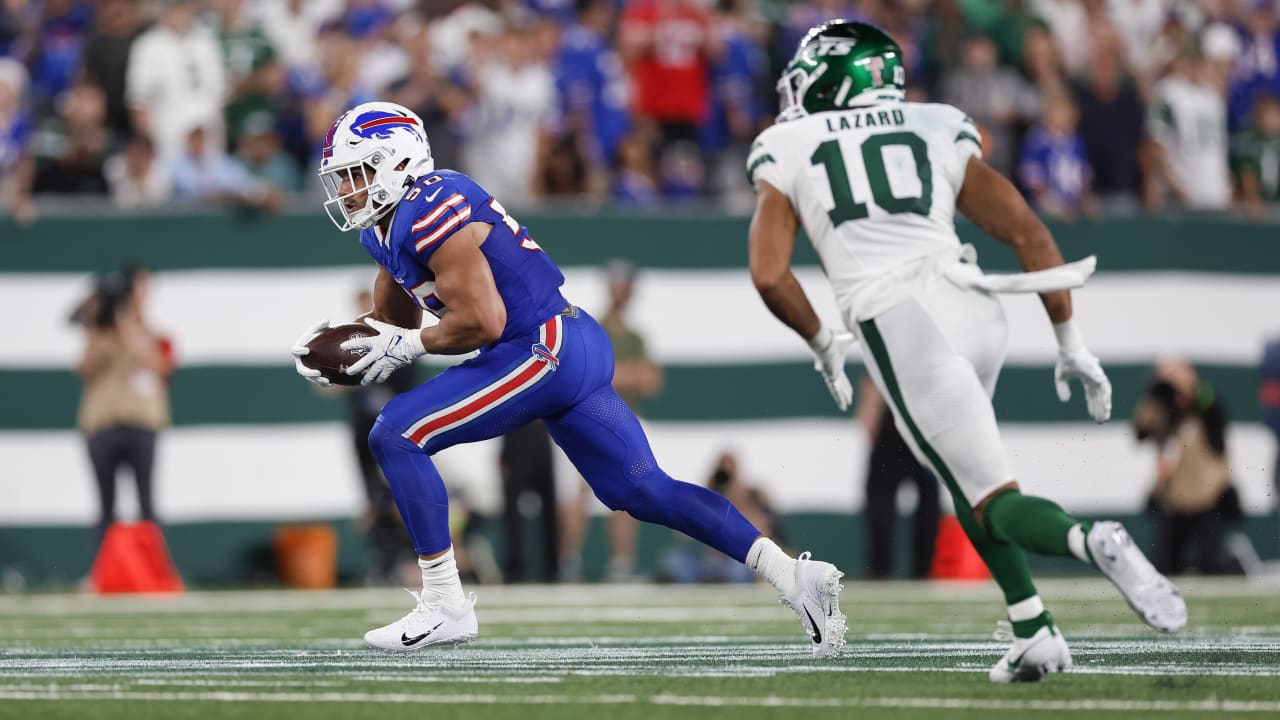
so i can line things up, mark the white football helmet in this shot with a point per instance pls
(378, 146)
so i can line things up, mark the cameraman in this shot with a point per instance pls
(1193, 497)
(125, 369)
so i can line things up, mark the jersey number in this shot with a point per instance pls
(829, 156)
(527, 243)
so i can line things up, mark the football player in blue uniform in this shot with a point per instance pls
(444, 245)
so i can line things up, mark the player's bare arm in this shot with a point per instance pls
(465, 285)
(996, 206)
(772, 239)
(391, 304)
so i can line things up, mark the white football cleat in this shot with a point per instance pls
(1149, 593)
(427, 624)
(1032, 659)
(816, 600)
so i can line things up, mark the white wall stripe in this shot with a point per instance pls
(252, 316)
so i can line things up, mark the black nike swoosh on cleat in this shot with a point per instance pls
(411, 641)
(815, 635)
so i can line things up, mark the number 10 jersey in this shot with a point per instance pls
(875, 189)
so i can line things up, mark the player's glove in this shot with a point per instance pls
(829, 349)
(1075, 362)
(300, 348)
(388, 351)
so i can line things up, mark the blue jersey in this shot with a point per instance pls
(439, 205)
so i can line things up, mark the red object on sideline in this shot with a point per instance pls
(953, 555)
(134, 559)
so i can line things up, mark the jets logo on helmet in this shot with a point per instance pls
(839, 65)
(378, 149)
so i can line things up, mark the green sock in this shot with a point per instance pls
(1032, 523)
(1007, 563)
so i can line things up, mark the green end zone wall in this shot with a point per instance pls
(675, 239)
(719, 395)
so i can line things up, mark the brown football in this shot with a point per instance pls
(329, 358)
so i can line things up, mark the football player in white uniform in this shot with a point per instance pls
(875, 182)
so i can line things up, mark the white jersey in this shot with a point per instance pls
(875, 189)
(1190, 121)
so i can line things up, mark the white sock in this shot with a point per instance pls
(772, 565)
(1075, 541)
(440, 582)
(1028, 609)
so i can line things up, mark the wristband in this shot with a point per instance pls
(820, 342)
(1069, 337)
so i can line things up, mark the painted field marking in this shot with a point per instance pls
(1080, 705)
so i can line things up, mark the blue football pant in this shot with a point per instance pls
(561, 374)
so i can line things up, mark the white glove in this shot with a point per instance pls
(829, 349)
(300, 348)
(388, 351)
(1075, 362)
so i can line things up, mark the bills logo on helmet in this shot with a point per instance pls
(375, 124)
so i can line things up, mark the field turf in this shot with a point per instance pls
(624, 652)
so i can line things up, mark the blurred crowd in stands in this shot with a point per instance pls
(1090, 105)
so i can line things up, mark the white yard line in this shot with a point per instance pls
(1078, 705)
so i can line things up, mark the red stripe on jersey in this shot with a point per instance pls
(445, 230)
(452, 201)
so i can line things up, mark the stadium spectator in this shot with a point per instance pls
(889, 464)
(211, 175)
(136, 178)
(1188, 124)
(245, 46)
(1040, 63)
(176, 80)
(106, 58)
(258, 146)
(437, 100)
(1053, 167)
(514, 102)
(1257, 60)
(58, 48)
(1069, 21)
(293, 26)
(668, 46)
(1139, 24)
(737, 113)
(996, 97)
(70, 147)
(17, 168)
(1193, 497)
(1255, 154)
(334, 89)
(591, 84)
(125, 367)
(635, 184)
(1111, 124)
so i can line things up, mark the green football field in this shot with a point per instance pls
(620, 652)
